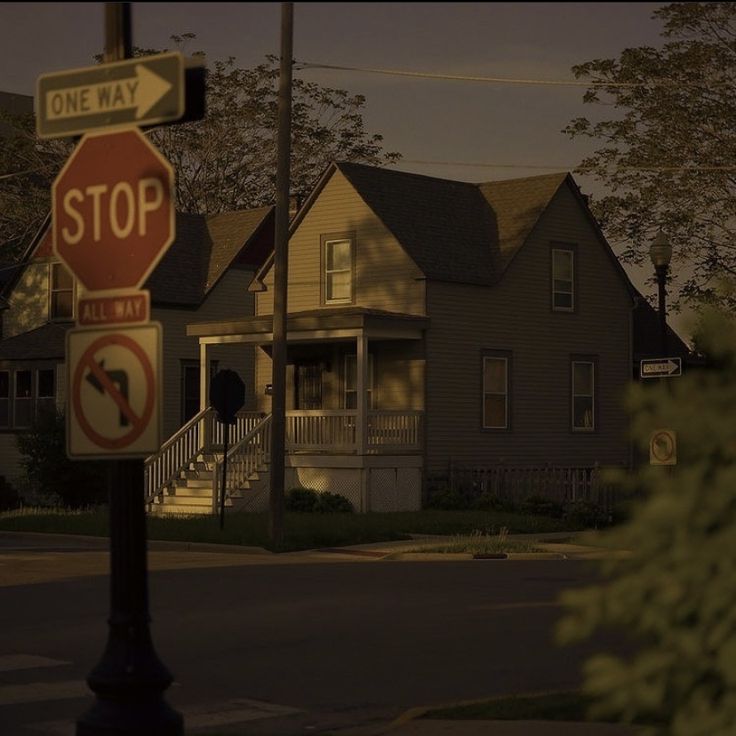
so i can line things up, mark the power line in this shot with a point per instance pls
(563, 167)
(307, 65)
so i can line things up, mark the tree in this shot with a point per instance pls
(226, 161)
(676, 590)
(668, 153)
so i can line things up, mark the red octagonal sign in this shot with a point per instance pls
(113, 210)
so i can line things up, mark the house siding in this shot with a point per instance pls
(229, 299)
(516, 316)
(385, 277)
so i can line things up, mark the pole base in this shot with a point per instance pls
(125, 718)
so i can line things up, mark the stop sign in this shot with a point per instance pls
(113, 210)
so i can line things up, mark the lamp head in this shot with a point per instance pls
(660, 251)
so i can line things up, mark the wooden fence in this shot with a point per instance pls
(515, 483)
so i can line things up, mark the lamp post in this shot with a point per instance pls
(661, 253)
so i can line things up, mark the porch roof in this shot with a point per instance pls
(315, 323)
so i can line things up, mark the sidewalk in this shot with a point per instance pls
(427, 727)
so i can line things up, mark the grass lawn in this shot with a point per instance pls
(478, 543)
(302, 531)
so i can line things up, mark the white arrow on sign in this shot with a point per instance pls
(666, 367)
(141, 92)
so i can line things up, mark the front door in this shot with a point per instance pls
(308, 386)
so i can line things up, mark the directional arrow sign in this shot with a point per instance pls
(661, 367)
(142, 91)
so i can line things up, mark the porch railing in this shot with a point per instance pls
(202, 434)
(181, 449)
(244, 459)
(334, 431)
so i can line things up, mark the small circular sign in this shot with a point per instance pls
(663, 448)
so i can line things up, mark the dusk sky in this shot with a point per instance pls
(516, 126)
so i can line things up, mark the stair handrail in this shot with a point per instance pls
(165, 466)
(243, 459)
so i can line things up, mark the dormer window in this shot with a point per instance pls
(61, 293)
(338, 258)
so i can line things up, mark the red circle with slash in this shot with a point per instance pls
(139, 423)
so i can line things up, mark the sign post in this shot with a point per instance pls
(113, 219)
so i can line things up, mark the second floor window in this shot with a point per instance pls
(61, 293)
(338, 276)
(563, 280)
(4, 399)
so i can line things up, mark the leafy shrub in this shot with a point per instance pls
(488, 501)
(586, 514)
(445, 499)
(331, 503)
(301, 499)
(43, 456)
(9, 498)
(541, 506)
(307, 500)
(674, 593)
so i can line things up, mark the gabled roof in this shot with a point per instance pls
(46, 342)
(452, 230)
(205, 247)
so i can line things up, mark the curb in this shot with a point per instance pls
(152, 544)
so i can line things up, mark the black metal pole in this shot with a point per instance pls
(129, 679)
(223, 485)
(661, 284)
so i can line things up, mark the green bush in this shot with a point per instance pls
(675, 592)
(586, 514)
(307, 500)
(488, 501)
(541, 506)
(445, 499)
(50, 472)
(331, 503)
(301, 499)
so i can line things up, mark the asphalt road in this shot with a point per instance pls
(343, 643)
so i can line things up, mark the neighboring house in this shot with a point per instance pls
(204, 275)
(435, 323)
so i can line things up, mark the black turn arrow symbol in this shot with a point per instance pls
(119, 378)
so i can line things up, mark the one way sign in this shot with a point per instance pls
(661, 367)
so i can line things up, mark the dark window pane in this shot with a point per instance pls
(4, 384)
(563, 301)
(62, 305)
(582, 379)
(60, 277)
(4, 413)
(46, 383)
(23, 384)
(494, 411)
(583, 412)
(562, 264)
(494, 375)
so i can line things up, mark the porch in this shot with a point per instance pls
(354, 413)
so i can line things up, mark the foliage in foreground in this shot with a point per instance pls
(676, 593)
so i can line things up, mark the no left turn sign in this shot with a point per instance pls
(113, 391)
(663, 447)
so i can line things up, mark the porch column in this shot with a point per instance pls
(204, 375)
(204, 386)
(361, 420)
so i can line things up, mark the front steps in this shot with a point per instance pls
(191, 493)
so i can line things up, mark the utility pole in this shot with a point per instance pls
(281, 268)
(129, 679)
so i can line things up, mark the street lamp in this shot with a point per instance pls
(661, 253)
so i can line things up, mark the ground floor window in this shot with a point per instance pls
(495, 392)
(24, 394)
(583, 396)
(351, 382)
